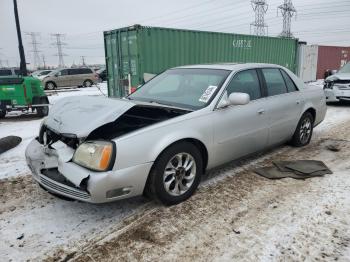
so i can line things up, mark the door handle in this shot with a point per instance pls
(261, 111)
(298, 102)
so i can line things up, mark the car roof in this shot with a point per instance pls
(230, 66)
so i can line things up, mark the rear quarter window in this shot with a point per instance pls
(289, 82)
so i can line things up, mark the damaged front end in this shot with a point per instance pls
(79, 163)
(336, 88)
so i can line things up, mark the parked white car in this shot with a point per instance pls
(163, 137)
(337, 86)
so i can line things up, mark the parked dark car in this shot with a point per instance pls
(102, 74)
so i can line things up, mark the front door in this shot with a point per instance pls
(243, 129)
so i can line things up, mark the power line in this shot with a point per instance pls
(260, 8)
(59, 45)
(34, 42)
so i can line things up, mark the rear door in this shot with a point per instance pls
(242, 129)
(62, 78)
(283, 104)
(74, 76)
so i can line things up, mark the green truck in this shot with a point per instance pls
(22, 93)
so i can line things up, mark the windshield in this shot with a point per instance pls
(185, 87)
(43, 73)
(345, 68)
(53, 72)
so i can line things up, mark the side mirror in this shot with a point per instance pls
(239, 99)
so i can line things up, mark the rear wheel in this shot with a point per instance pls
(176, 174)
(50, 86)
(87, 83)
(42, 111)
(303, 132)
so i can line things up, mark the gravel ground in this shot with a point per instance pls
(235, 215)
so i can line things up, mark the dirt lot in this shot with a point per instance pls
(235, 215)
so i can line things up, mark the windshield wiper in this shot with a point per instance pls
(159, 103)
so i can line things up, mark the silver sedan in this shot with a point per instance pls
(161, 139)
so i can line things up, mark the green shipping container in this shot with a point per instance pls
(134, 51)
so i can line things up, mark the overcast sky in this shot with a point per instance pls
(321, 22)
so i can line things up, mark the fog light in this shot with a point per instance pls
(118, 192)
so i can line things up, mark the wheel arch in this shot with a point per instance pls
(312, 111)
(197, 143)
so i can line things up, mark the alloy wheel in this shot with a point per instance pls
(179, 174)
(305, 130)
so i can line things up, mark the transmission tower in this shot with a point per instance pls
(260, 8)
(34, 42)
(288, 11)
(59, 45)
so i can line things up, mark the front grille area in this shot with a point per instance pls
(52, 179)
(52, 137)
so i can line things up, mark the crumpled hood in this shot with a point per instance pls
(339, 76)
(81, 115)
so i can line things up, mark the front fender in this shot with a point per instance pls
(146, 146)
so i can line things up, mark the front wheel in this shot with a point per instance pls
(303, 132)
(50, 86)
(2, 113)
(176, 174)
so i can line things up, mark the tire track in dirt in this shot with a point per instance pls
(104, 225)
(235, 211)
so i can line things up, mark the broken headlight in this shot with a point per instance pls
(95, 155)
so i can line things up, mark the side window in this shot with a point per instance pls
(245, 82)
(86, 71)
(5, 72)
(274, 81)
(289, 82)
(64, 72)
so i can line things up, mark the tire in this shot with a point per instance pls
(50, 86)
(88, 83)
(167, 176)
(42, 111)
(303, 132)
(2, 113)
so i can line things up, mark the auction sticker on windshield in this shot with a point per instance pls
(207, 94)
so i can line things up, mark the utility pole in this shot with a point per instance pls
(288, 11)
(44, 61)
(35, 51)
(23, 65)
(83, 60)
(59, 45)
(260, 8)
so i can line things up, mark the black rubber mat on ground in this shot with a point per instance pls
(299, 169)
(8, 142)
